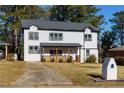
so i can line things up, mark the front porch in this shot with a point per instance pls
(52, 52)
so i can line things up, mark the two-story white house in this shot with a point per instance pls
(46, 39)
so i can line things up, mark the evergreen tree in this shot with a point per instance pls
(108, 40)
(12, 21)
(118, 25)
(76, 13)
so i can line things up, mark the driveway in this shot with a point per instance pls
(38, 74)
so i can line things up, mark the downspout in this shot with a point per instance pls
(99, 47)
(84, 46)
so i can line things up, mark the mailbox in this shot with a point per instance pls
(109, 69)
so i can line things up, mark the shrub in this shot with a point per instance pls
(91, 59)
(10, 57)
(69, 59)
(119, 60)
(60, 60)
(52, 60)
(43, 59)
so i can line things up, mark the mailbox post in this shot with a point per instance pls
(109, 69)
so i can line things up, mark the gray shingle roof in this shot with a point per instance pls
(56, 25)
(60, 44)
(121, 48)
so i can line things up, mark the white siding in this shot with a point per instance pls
(68, 37)
(93, 43)
(27, 56)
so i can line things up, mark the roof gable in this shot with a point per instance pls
(33, 27)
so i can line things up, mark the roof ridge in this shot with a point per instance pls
(56, 25)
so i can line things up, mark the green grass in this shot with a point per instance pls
(82, 74)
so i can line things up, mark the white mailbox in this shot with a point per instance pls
(109, 69)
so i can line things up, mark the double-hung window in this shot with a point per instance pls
(87, 52)
(88, 37)
(33, 36)
(55, 36)
(60, 36)
(33, 49)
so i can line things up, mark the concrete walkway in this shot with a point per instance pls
(39, 75)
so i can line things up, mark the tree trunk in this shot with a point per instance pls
(16, 41)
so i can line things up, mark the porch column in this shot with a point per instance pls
(79, 54)
(56, 54)
(43, 52)
(68, 52)
(6, 51)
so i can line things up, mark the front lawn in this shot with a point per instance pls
(11, 71)
(81, 74)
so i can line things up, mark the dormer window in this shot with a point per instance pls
(33, 36)
(88, 37)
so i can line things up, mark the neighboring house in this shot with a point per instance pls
(52, 39)
(117, 52)
(2, 43)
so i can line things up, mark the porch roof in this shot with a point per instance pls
(60, 45)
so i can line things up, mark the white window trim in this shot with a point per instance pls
(87, 37)
(58, 38)
(33, 35)
(34, 51)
